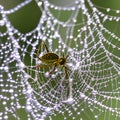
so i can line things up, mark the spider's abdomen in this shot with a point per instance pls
(49, 57)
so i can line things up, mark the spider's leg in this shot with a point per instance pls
(45, 46)
(67, 56)
(43, 66)
(62, 54)
(39, 49)
(52, 70)
(41, 46)
(38, 57)
(66, 72)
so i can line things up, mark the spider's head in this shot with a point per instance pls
(62, 61)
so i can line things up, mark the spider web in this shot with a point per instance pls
(79, 28)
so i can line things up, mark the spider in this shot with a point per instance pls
(52, 59)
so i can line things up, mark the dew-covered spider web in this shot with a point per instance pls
(85, 30)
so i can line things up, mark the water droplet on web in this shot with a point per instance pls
(28, 108)
(39, 4)
(82, 95)
(53, 76)
(6, 68)
(108, 9)
(117, 11)
(5, 117)
(68, 101)
(47, 74)
(21, 65)
(96, 116)
(2, 23)
(4, 102)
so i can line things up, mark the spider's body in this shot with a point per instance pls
(52, 59)
(49, 57)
